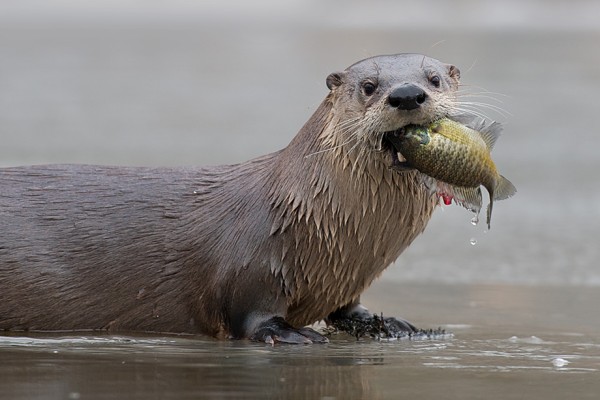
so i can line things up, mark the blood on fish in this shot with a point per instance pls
(446, 199)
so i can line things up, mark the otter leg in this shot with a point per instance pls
(350, 310)
(276, 329)
(258, 313)
(355, 310)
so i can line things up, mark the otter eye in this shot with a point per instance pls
(435, 80)
(369, 88)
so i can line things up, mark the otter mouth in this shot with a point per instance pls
(391, 142)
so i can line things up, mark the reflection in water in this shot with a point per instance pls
(66, 367)
(139, 367)
(43, 366)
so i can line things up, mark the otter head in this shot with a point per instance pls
(383, 94)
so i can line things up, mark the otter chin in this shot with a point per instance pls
(255, 250)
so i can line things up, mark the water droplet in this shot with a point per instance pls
(473, 241)
(559, 362)
(475, 220)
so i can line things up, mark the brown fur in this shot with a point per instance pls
(298, 233)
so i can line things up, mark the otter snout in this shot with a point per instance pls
(407, 97)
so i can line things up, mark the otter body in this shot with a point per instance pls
(253, 250)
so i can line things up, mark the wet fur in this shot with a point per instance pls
(298, 233)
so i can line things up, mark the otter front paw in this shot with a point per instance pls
(354, 318)
(375, 326)
(277, 330)
(398, 325)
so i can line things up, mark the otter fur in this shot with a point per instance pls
(254, 250)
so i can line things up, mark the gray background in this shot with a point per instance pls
(183, 83)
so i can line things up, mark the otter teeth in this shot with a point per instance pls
(401, 158)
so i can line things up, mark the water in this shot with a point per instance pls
(70, 367)
(506, 340)
(137, 84)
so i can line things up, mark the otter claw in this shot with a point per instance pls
(276, 330)
(313, 335)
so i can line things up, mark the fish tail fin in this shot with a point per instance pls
(504, 189)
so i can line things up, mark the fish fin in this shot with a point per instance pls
(489, 132)
(489, 211)
(467, 197)
(486, 130)
(504, 189)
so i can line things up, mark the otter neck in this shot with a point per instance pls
(340, 216)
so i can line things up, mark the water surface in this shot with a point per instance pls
(500, 350)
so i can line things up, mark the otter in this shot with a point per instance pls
(255, 250)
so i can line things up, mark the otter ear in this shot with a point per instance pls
(335, 79)
(454, 72)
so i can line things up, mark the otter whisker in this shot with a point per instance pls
(472, 65)
(470, 111)
(349, 123)
(350, 140)
(482, 108)
(475, 102)
(479, 95)
(473, 112)
(353, 147)
(356, 160)
(492, 107)
(481, 90)
(348, 126)
(463, 110)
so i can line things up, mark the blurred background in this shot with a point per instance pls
(133, 82)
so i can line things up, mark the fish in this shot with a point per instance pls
(458, 159)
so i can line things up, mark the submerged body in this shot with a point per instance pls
(458, 156)
(253, 250)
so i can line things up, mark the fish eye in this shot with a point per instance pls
(369, 88)
(435, 80)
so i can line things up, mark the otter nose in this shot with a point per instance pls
(407, 97)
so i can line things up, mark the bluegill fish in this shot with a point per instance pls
(458, 158)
